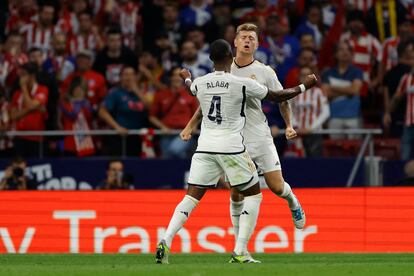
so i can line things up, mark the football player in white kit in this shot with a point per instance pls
(221, 151)
(258, 138)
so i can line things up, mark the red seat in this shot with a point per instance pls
(388, 148)
(342, 147)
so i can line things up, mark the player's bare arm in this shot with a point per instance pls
(286, 111)
(186, 133)
(185, 74)
(289, 93)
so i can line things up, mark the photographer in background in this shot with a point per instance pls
(116, 179)
(15, 177)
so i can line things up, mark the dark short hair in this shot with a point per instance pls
(76, 82)
(34, 49)
(114, 30)
(113, 161)
(127, 67)
(306, 49)
(350, 48)
(31, 68)
(354, 15)
(220, 50)
(47, 4)
(194, 29)
(86, 12)
(17, 160)
(14, 33)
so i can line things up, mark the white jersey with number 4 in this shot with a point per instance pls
(222, 97)
(257, 128)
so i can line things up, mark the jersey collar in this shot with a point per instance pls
(238, 66)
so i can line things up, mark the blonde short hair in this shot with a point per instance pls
(248, 27)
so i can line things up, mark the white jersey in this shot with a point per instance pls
(257, 129)
(222, 97)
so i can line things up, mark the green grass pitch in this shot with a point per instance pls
(209, 264)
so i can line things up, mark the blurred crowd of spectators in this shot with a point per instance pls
(113, 64)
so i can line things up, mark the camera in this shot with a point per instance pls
(18, 172)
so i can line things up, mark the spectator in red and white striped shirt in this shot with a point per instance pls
(394, 121)
(98, 11)
(406, 88)
(362, 5)
(409, 6)
(366, 49)
(126, 15)
(21, 13)
(88, 37)
(390, 45)
(12, 59)
(39, 34)
(311, 111)
(69, 20)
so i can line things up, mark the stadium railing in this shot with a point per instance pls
(367, 144)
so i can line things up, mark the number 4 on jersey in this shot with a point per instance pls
(215, 107)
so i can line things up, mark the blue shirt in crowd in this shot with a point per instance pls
(285, 53)
(126, 108)
(191, 16)
(344, 107)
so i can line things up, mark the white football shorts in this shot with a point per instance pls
(264, 155)
(206, 169)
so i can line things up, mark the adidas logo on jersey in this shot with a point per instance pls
(185, 213)
(244, 213)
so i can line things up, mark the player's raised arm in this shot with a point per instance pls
(186, 133)
(185, 74)
(289, 93)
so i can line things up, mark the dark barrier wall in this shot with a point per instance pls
(83, 174)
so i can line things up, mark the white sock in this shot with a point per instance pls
(290, 197)
(180, 216)
(236, 208)
(247, 223)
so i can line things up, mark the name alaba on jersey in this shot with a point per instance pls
(222, 97)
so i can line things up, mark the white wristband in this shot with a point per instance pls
(188, 81)
(302, 88)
